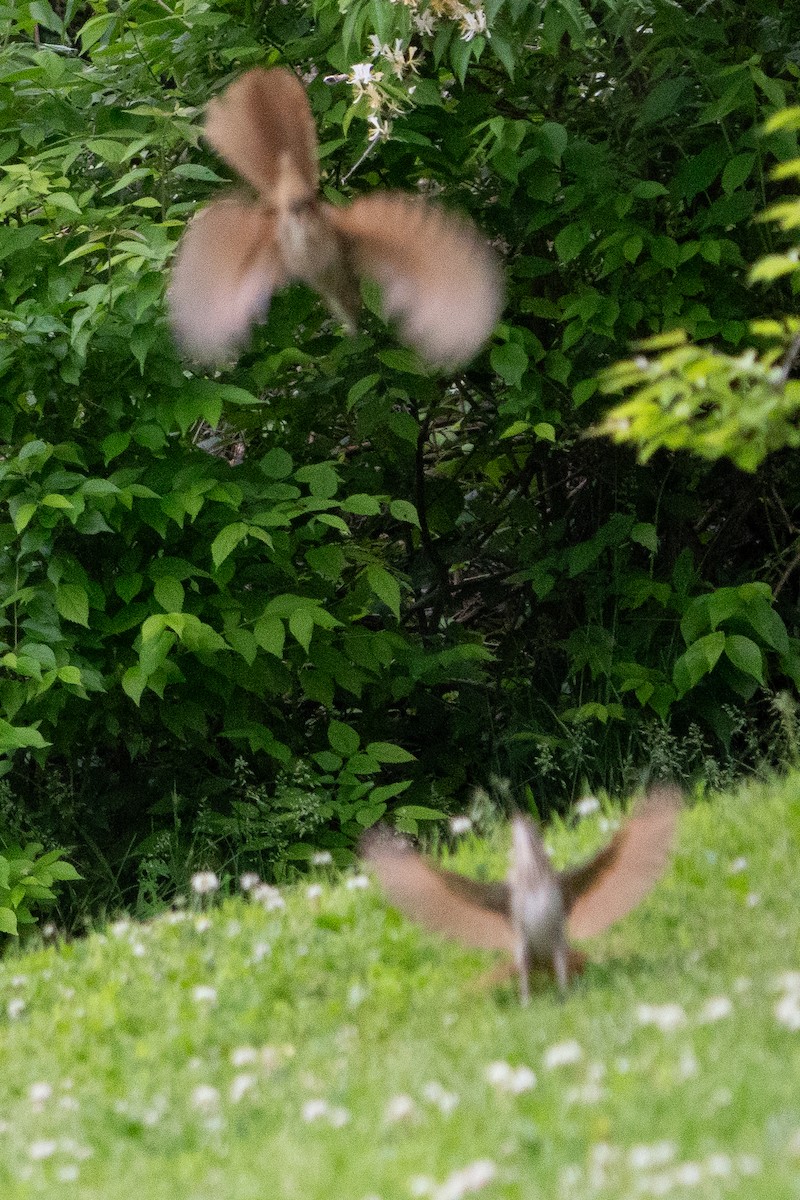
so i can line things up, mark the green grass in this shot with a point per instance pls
(120, 1079)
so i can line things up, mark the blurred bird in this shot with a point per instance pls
(537, 908)
(440, 281)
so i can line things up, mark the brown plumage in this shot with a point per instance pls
(532, 914)
(440, 281)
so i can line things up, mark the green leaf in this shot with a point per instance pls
(700, 658)
(8, 921)
(270, 633)
(404, 510)
(72, 603)
(745, 655)
(388, 752)
(510, 362)
(385, 587)
(343, 739)
(169, 594)
(361, 505)
(226, 541)
(645, 535)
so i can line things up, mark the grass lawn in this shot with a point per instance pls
(330, 1049)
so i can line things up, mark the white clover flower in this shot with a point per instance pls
(314, 1110)
(269, 897)
(718, 1166)
(357, 883)
(445, 1101)
(244, 1056)
(787, 1011)
(240, 1086)
(205, 1096)
(563, 1054)
(587, 806)
(261, 950)
(204, 994)
(715, 1009)
(459, 825)
(68, 1173)
(737, 866)
(202, 924)
(15, 1007)
(510, 1079)
(657, 1154)
(248, 881)
(338, 1117)
(665, 1016)
(204, 883)
(322, 858)
(399, 1108)
(39, 1092)
(41, 1150)
(469, 1179)
(314, 891)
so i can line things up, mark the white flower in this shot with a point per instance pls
(269, 897)
(445, 1101)
(240, 1086)
(362, 72)
(563, 1054)
(68, 1173)
(715, 1009)
(718, 1166)
(204, 883)
(202, 924)
(248, 881)
(322, 858)
(244, 1056)
(748, 1164)
(509, 1079)
(752, 899)
(423, 22)
(203, 994)
(737, 866)
(39, 1092)
(787, 1011)
(376, 46)
(314, 891)
(459, 825)
(260, 951)
(688, 1174)
(421, 1185)
(42, 1149)
(205, 1096)
(665, 1016)
(587, 806)
(314, 1110)
(399, 1108)
(658, 1154)
(357, 883)
(469, 1179)
(338, 1117)
(472, 23)
(15, 1007)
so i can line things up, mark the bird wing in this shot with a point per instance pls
(263, 127)
(443, 901)
(601, 891)
(223, 277)
(440, 280)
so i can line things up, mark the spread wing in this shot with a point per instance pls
(223, 277)
(263, 127)
(601, 891)
(440, 280)
(443, 901)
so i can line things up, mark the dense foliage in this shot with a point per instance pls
(254, 608)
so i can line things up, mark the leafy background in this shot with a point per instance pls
(247, 613)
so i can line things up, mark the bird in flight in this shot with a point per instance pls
(536, 910)
(441, 283)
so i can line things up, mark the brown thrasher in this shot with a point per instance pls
(532, 913)
(439, 279)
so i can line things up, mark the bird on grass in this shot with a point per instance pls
(534, 913)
